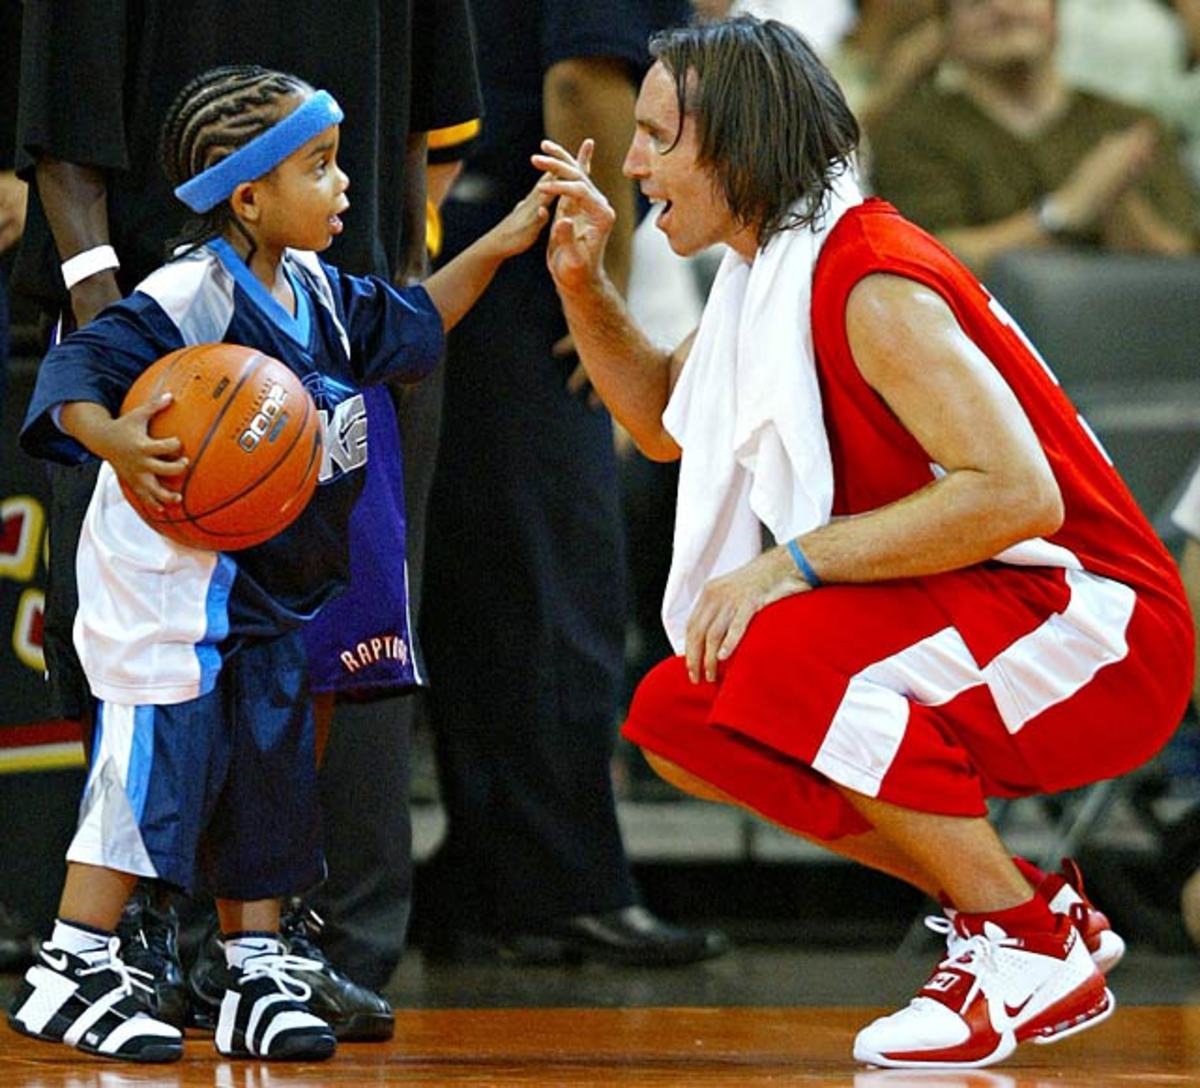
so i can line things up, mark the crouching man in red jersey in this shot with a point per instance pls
(905, 578)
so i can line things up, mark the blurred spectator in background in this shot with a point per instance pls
(12, 188)
(822, 22)
(1000, 153)
(878, 50)
(888, 51)
(1142, 52)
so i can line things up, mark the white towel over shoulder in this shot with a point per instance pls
(746, 412)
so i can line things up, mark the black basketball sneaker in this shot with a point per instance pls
(149, 936)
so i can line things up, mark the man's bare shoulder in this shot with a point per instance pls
(884, 306)
(899, 329)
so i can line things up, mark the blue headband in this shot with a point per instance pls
(262, 154)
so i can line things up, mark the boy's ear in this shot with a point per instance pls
(244, 201)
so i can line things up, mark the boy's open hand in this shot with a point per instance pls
(518, 230)
(141, 460)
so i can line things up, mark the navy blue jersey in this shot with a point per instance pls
(347, 332)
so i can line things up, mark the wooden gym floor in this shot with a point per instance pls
(763, 1015)
(1146, 1046)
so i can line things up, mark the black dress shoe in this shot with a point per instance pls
(630, 935)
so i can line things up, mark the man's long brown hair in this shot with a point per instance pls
(772, 123)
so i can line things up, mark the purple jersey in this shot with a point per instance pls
(363, 640)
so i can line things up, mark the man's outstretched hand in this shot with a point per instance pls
(583, 217)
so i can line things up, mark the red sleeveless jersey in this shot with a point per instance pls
(876, 461)
(1060, 662)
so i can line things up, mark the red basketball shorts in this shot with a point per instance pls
(932, 694)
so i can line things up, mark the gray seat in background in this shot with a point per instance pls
(1122, 333)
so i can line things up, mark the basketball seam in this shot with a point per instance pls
(270, 530)
(256, 364)
(258, 481)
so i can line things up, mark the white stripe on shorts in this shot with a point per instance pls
(1038, 670)
(108, 834)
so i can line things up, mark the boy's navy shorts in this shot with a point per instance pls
(228, 779)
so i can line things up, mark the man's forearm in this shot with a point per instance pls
(627, 371)
(75, 199)
(413, 262)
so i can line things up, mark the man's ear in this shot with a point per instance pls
(244, 202)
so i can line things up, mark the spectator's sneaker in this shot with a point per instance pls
(96, 1003)
(150, 943)
(263, 1011)
(355, 1013)
(991, 992)
(205, 989)
(1064, 892)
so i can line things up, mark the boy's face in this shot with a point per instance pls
(695, 213)
(302, 199)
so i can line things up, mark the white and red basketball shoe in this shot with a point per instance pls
(1063, 891)
(991, 992)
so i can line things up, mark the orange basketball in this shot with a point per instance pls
(252, 437)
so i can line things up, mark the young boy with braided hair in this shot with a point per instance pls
(222, 766)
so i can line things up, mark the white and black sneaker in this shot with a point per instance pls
(263, 1012)
(94, 1002)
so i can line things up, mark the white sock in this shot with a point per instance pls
(90, 944)
(243, 946)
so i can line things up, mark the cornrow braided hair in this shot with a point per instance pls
(215, 114)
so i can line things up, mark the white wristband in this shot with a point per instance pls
(88, 263)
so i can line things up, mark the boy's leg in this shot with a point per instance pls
(273, 741)
(240, 916)
(80, 991)
(143, 767)
(94, 896)
(262, 840)
(355, 1012)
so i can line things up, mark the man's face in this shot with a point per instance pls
(994, 35)
(694, 215)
